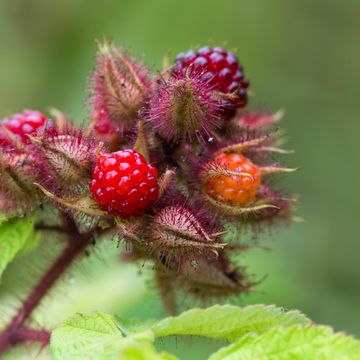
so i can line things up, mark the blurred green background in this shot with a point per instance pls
(302, 56)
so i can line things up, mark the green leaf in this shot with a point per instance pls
(133, 350)
(15, 235)
(31, 243)
(87, 337)
(228, 322)
(295, 343)
(99, 336)
(134, 326)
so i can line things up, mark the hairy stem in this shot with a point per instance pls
(27, 334)
(15, 332)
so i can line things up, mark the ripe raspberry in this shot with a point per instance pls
(223, 70)
(21, 125)
(237, 190)
(124, 183)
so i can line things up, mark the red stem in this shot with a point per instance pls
(15, 332)
(26, 334)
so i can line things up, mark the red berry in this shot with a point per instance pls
(103, 126)
(124, 183)
(105, 129)
(21, 125)
(221, 68)
(236, 190)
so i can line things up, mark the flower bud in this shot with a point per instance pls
(218, 277)
(18, 173)
(184, 107)
(119, 86)
(69, 158)
(202, 278)
(176, 234)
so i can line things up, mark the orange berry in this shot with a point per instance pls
(234, 189)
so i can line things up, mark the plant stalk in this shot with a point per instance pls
(15, 332)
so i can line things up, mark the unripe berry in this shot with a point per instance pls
(124, 183)
(232, 188)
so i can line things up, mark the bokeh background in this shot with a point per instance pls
(301, 56)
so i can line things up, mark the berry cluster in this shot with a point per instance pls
(165, 162)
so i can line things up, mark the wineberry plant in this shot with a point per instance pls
(168, 162)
